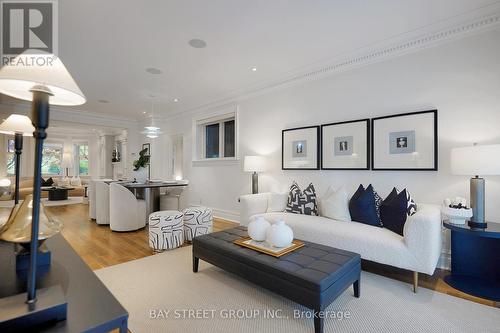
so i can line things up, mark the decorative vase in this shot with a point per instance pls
(457, 216)
(279, 234)
(257, 229)
(141, 175)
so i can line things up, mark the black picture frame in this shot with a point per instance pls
(368, 143)
(318, 147)
(435, 145)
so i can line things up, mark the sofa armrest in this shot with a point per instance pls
(252, 204)
(422, 235)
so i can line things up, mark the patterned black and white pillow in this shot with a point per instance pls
(378, 202)
(302, 202)
(412, 206)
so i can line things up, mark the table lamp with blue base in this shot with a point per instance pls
(43, 82)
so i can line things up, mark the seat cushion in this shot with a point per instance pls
(372, 243)
(314, 266)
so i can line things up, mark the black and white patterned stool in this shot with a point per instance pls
(165, 230)
(197, 221)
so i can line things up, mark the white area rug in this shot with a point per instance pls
(165, 282)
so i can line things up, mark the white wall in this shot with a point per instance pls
(461, 79)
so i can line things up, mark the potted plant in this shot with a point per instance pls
(140, 167)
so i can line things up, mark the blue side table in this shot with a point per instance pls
(475, 260)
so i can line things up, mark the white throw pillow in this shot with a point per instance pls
(76, 181)
(335, 205)
(64, 182)
(276, 202)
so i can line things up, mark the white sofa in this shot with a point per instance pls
(418, 250)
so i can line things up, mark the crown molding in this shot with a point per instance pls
(408, 43)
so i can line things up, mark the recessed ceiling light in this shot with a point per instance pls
(104, 101)
(197, 43)
(154, 71)
(254, 69)
(143, 112)
(175, 100)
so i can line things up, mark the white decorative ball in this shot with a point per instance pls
(279, 234)
(257, 229)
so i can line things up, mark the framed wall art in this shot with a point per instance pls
(407, 141)
(345, 145)
(300, 148)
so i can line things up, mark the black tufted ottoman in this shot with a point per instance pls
(314, 275)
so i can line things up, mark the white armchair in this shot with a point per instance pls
(91, 192)
(127, 213)
(102, 202)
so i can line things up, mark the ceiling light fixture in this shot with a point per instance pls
(254, 69)
(197, 43)
(154, 71)
(176, 100)
(151, 131)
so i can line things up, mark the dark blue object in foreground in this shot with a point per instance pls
(475, 260)
(314, 275)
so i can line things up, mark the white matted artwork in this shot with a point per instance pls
(345, 145)
(405, 141)
(300, 148)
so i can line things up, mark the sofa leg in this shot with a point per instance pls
(415, 282)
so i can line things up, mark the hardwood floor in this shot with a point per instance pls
(99, 247)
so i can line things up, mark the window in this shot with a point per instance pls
(212, 141)
(229, 138)
(83, 159)
(219, 139)
(52, 157)
(216, 136)
(11, 157)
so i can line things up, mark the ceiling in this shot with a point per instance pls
(108, 45)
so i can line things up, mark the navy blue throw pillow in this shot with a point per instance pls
(363, 208)
(394, 211)
(48, 182)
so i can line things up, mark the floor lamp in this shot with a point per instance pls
(19, 126)
(43, 81)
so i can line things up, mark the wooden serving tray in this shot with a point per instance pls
(263, 247)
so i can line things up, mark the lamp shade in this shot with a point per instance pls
(476, 160)
(17, 123)
(26, 71)
(67, 160)
(254, 164)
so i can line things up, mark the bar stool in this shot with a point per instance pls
(165, 230)
(172, 198)
(197, 221)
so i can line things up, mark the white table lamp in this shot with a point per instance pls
(42, 79)
(19, 126)
(476, 160)
(67, 161)
(254, 164)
